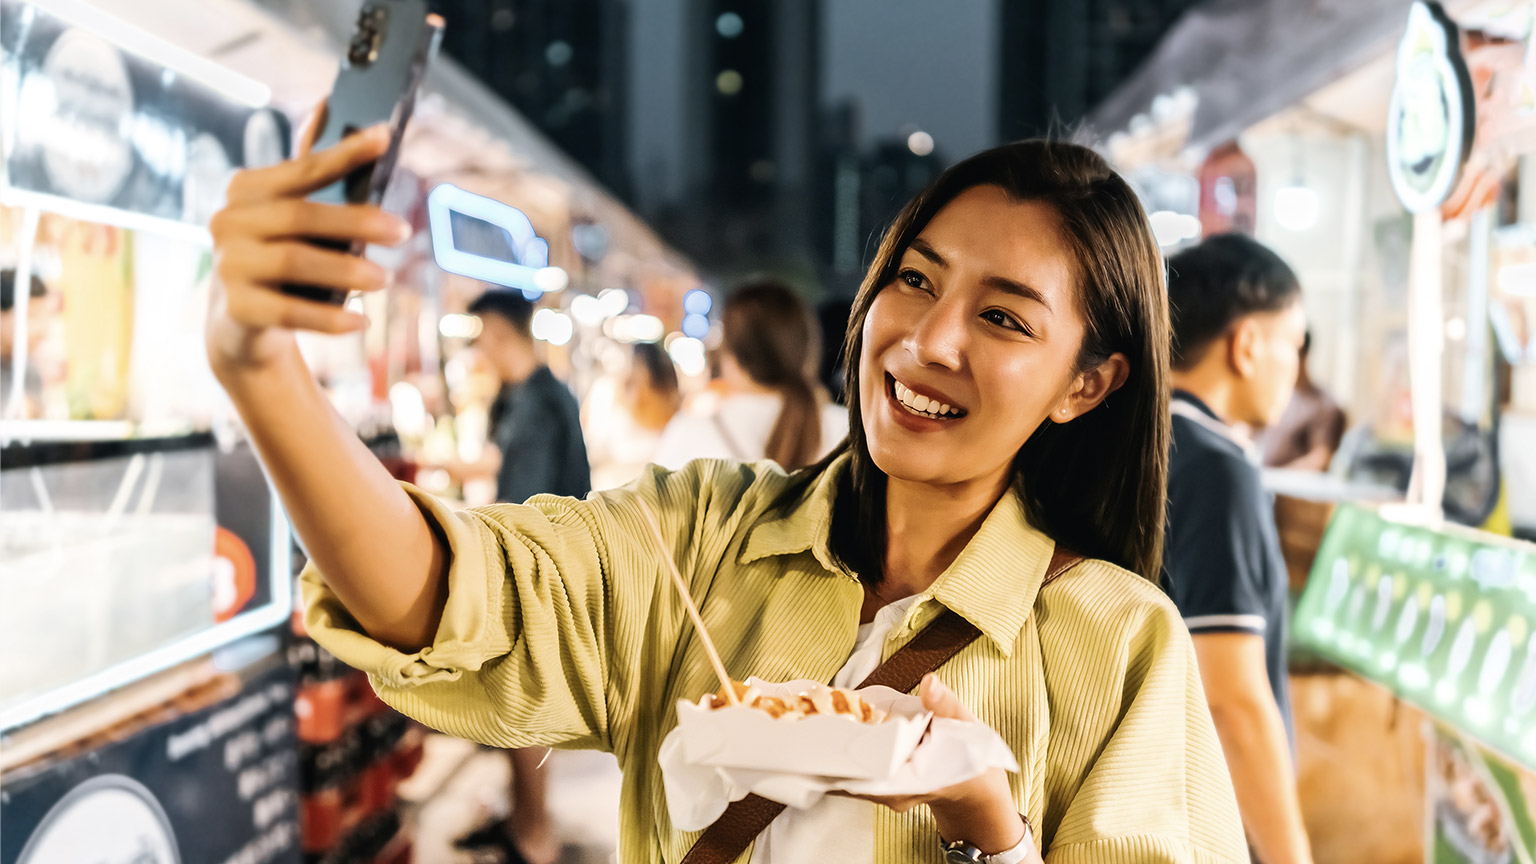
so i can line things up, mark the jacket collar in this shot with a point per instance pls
(992, 583)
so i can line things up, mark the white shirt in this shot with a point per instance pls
(748, 419)
(835, 829)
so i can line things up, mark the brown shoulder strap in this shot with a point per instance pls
(731, 834)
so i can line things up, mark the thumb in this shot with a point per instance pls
(942, 701)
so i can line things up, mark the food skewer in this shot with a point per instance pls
(688, 604)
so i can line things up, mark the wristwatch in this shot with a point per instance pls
(962, 852)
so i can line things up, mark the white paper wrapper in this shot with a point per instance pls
(698, 790)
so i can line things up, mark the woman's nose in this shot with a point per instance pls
(939, 337)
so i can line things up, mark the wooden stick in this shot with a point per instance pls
(688, 604)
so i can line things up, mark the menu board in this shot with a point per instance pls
(1442, 617)
(218, 785)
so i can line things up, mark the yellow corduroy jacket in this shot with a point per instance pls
(561, 630)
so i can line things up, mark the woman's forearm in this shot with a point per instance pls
(366, 535)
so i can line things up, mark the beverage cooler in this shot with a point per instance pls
(148, 705)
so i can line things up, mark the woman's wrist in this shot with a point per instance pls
(983, 815)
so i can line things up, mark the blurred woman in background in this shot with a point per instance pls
(772, 406)
(628, 438)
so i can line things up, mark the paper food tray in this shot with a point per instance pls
(821, 745)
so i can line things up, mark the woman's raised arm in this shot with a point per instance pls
(360, 528)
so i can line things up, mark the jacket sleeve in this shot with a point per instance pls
(552, 606)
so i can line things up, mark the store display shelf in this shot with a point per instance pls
(87, 441)
(99, 214)
(121, 561)
(1440, 615)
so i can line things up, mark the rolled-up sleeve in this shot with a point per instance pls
(548, 615)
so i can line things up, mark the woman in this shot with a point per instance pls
(624, 438)
(769, 408)
(1008, 354)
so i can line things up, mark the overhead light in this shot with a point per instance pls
(615, 301)
(920, 143)
(696, 326)
(130, 38)
(1296, 207)
(697, 302)
(689, 355)
(1171, 228)
(458, 326)
(551, 280)
(552, 327)
(635, 328)
(1518, 280)
(587, 310)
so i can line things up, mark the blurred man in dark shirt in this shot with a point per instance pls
(1238, 325)
(535, 431)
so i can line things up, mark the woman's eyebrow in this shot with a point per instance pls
(1016, 288)
(999, 283)
(922, 248)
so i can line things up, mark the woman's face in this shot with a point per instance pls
(973, 344)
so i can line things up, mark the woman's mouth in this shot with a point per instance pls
(931, 407)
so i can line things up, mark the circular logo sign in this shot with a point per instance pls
(109, 818)
(1432, 114)
(85, 138)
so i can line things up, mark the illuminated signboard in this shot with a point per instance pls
(1443, 618)
(484, 239)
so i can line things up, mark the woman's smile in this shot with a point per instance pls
(920, 408)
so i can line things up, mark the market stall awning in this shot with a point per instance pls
(1247, 59)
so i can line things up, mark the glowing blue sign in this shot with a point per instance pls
(484, 239)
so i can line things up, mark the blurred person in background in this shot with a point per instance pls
(1005, 303)
(770, 405)
(32, 388)
(1309, 431)
(535, 447)
(1238, 325)
(650, 397)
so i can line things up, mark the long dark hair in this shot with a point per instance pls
(769, 332)
(1097, 484)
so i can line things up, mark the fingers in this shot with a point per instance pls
(306, 173)
(256, 307)
(312, 126)
(942, 701)
(296, 262)
(298, 217)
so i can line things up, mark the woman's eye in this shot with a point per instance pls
(913, 279)
(1004, 320)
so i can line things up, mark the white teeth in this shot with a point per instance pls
(918, 403)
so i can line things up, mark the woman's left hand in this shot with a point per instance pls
(979, 811)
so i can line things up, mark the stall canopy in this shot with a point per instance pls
(1248, 59)
(462, 132)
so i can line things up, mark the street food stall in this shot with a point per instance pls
(1391, 166)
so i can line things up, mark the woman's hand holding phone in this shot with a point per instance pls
(260, 244)
(361, 529)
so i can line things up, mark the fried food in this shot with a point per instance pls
(818, 700)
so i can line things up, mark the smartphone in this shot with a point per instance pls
(385, 62)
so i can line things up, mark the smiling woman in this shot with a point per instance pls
(1021, 336)
(1007, 357)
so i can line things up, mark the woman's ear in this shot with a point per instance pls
(1091, 387)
